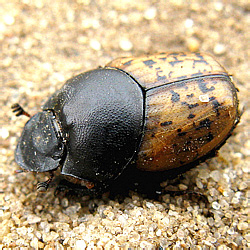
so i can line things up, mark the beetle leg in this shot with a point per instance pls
(16, 108)
(19, 171)
(88, 184)
(43, 186)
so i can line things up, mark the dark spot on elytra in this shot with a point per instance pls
(170, 74)
(175, 54)
(149, 62)
(201, 61)
(216, 105)
(204, 124)
(178, 130)
(203, 86)
(163, 59)
(153, 135)
(190, 106)
(159, 77)
(186, 147)
(205, 139)
(173, 63)
(181, 85)
(182, 77)
(191, 116)
(175, 96)
(189, 96)
(210, 137)
(201, 141)
(182, 133)
(166, 123)
(199, 55)
(128, 63)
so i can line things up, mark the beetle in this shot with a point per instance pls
(155, 113)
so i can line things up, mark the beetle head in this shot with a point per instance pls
(41, 147)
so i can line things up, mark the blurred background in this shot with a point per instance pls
(44, 43)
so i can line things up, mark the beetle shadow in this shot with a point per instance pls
(146, 184)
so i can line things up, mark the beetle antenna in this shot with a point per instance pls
(43, 186)
(16, 108)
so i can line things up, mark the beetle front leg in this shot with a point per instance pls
(43, 186)
(17, 108)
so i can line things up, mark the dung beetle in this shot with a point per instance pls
(153, 113)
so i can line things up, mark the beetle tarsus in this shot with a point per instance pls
(19, 171)
(43, 186)
(17, 108)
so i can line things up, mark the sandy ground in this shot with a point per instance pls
(43, 43)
